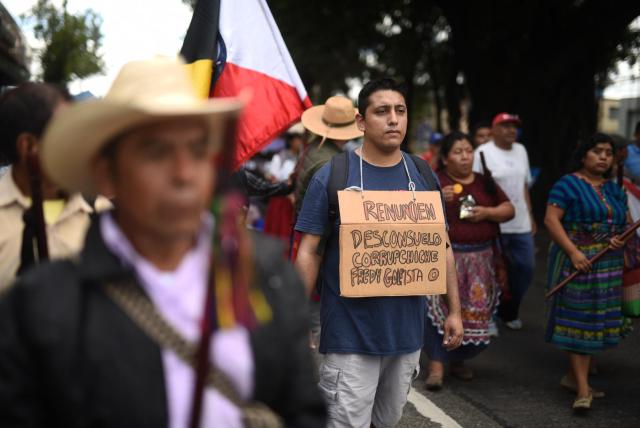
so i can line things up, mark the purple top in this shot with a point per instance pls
(178, 296)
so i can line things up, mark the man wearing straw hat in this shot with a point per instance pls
(333, 124)
(109, 339)
(371, 345)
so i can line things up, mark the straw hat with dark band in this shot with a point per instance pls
(335, 119)
(142, 93)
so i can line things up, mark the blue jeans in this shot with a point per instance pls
(518, 248)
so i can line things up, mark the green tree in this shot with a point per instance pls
(331, 42)
(71, 42)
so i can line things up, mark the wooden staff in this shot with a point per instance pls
(37, 199)
(624, 236)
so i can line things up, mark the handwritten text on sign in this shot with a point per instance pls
(391, 245)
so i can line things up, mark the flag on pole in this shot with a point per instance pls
(240, 40)
(199, 48)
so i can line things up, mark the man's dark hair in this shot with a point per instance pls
(637, 131)
(288, 138)
(479, 125)
(384, 84)
(26, 109)
(585, 146)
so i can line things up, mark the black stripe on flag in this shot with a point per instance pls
(202, 34)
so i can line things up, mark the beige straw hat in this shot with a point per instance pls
(143, 92)
(335, 119)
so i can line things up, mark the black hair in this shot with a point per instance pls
(479, 125)
(384, 84)
(586, 145)
(637, 131)
(26, 108)
(447, 143)
(288, 137)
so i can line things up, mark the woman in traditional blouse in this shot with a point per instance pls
(585, 213)
(475, 205)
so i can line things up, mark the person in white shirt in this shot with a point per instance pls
(509, 164)
(283, 163)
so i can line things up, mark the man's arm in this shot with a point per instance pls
(308, 261)
(453, 330)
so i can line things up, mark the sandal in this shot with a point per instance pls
(434, 382)
(581, 404)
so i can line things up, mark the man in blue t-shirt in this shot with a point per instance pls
(371, 345)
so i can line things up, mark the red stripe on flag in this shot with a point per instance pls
(274, 106)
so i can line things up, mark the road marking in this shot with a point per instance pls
(426, 408)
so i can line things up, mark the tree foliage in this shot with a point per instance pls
(332, 42)
(547, 61)
(71, 42)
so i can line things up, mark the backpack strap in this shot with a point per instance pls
(425, 171)
(337, 181)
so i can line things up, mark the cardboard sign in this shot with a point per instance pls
(391, 244)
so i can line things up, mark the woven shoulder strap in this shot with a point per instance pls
(141, 311)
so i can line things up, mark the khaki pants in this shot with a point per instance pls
(363, 389)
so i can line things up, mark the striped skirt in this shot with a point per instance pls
(585, 316)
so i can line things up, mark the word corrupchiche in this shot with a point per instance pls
(393, 257)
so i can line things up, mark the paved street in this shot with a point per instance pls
(517, 381)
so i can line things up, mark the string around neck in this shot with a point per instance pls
(411, 185)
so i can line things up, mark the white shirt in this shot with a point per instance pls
(282, 165)
(65, 235)
(510, 169)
